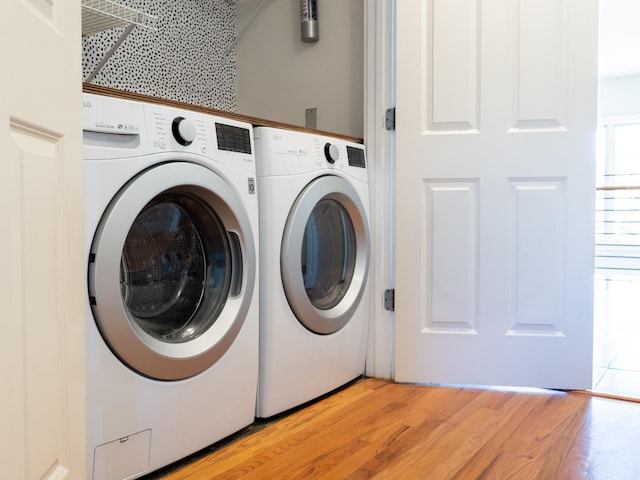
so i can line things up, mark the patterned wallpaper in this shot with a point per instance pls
(186, 59)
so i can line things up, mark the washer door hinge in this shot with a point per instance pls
(390, 299)
(390, 118)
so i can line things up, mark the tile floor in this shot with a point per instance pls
(616, 355)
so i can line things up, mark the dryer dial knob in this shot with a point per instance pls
(184, 131)
(331, 152)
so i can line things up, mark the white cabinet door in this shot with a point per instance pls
(496, 106)
(42, 411)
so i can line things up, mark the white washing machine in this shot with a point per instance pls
(314, 254)
(172, 305)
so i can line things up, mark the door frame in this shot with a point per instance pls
(379, 95)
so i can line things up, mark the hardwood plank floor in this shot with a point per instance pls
(376, 429)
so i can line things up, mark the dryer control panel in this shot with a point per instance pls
(356, 157)
(301, 152)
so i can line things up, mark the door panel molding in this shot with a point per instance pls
(450, 268)
(451, 47)
(538, 249)
(540, 89)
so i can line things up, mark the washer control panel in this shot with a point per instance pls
(197, 132)
(118, 128)
(169, 130)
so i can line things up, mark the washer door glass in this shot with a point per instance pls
(325, 254)
(328, 254)
(175, 268)
(172, 270)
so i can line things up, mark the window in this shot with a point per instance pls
(618, 197)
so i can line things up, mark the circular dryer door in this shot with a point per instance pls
(172, 271)
(325, 254)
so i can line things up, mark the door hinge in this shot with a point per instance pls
(390, 299)
(390, 118)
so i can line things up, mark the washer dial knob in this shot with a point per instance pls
(331, 152)
(184, 131)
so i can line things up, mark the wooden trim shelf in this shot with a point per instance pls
(618, 187)
(255, 121)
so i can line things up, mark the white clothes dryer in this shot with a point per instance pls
(314, 254)
(171, 221)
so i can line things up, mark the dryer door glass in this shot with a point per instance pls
(328, 254)
(175, 269)
(324, 256)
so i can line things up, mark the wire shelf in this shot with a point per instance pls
(100, 15)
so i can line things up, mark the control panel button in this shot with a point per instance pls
(331, 152)
(184, 131)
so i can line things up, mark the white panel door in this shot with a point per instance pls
(496, 105)
(42, 410)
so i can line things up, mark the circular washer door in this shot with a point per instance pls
(172, 271)
(325, 254)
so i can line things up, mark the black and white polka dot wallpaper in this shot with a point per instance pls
(190, 58)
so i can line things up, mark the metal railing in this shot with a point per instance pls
(617, 229)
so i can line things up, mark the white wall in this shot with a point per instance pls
(619, 96)
(279, 76)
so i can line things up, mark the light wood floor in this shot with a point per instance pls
(377, 429)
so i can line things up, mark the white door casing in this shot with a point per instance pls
(496, 117)
(380, 143)
(42, 417)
